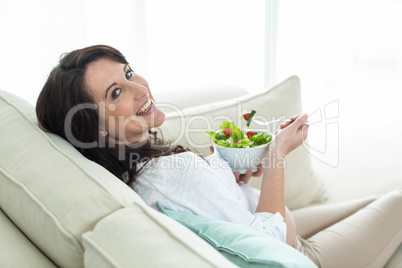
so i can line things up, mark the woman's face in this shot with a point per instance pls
(124, 101)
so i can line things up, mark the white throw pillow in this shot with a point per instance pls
(187, 126)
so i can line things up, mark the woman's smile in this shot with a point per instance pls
(144, 108)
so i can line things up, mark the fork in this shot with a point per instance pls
(262, 123)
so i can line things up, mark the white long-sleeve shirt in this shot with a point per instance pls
(185, 182)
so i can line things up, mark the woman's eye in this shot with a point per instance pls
(116, 93)
(129, 74)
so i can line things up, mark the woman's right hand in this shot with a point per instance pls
(290, 136)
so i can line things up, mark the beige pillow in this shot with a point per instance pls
(54, 195)
(186, 127)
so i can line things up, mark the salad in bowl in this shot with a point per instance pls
(243, 149)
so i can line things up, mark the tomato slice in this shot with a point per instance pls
(246, 116)
(250, 133)
(228, 131)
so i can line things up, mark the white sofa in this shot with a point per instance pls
(59, 209)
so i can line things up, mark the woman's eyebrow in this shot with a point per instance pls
(107, 90)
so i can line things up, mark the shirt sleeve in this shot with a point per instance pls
(193, 187)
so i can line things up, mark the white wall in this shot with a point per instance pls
(174, 44)
(35, 33)
(349, 52)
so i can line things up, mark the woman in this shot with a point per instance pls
(95, 101)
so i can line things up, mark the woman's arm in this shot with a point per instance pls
(272, 197)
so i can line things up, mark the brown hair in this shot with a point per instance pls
(65, 89)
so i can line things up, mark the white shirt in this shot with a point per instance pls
(185, 182)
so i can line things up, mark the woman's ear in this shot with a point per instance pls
(103, 133)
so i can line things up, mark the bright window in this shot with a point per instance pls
(205, 42)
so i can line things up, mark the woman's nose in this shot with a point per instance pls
(139, 91)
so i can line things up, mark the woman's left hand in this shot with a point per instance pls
(244, 178)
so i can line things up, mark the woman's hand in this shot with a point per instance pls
(290, 136)
(244, 178)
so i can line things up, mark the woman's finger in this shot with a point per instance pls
(292, 119)
(258, 172)
(245, 177)
(237, 176)
(298, 121)
(211, 148)
(301, 120)
(287, 123)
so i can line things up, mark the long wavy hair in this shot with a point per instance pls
(65, 89)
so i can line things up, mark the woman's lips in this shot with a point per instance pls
(149, 110)
(144, 108)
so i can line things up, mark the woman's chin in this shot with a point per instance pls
(158, 118)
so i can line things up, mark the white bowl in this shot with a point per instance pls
(243, 159)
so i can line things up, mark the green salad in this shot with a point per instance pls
(229, 135)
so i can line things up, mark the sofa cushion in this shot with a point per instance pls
(183, 249)
(16, 250)
(241, 245)
(52, 193)
(187, 126)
